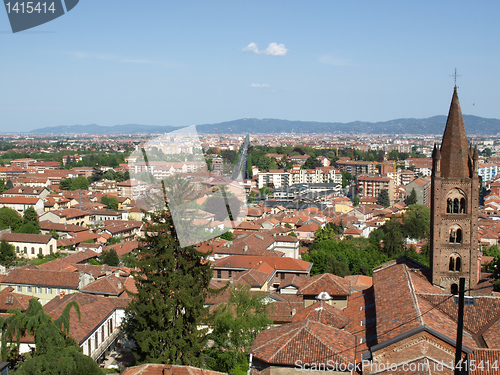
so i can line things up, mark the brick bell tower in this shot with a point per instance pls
(454, 206)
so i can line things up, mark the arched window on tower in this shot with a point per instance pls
(456, 202)
(455, 263)
(455, 234)
(454, 289)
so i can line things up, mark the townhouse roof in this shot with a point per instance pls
(252, 277)
(123, 248)
(307, 341)
(80, 256)
(42, 277)
(70, 213)
(110, 285)
(160, 369)
(326, 282)
(19, 200)
(324, 313)
(49, 225)
(11, 300)
(93, 309)
(57, 265)
(248, 261)
(27, 238)
(24, 190)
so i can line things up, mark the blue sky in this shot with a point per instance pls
(179, 63)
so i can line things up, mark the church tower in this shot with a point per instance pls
(454, 206)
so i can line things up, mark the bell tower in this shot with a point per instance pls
(454, 206)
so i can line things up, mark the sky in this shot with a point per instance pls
(180, 63)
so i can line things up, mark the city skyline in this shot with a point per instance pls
(178, 64)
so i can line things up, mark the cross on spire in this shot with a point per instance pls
(455, 76)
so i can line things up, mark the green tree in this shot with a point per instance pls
(110, 258)
(3, 186)
(393, 239)
(56, 352)
(9, 218)
(227, 236)
(417, 222)
(65, 184)
(355, 201)
(30, 214)
(79, 183)
(172, 282)
(346, 178)
(311, 163)
(412, 199)
(235, 326)
(7, 253)
(110, 202)
(383, 198)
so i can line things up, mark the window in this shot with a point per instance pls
(39, 289)
(25, 250)
(219, 274)
(17, 249)
(19, 288)
(455, 234)
(51, 248)
(40, 250)
(32, 250)
(282, 275)
(230, 273)
(456, 202)
(102, 333)
(58, 290)
(455, 263)
(96, 338)
(29, 289)
(48, 291)
(89, 346)
(454, 289)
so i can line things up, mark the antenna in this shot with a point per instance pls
(455, 75)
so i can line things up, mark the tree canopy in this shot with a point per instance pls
(235, 326)
(383, 198)
(172, 281)
(56, 352)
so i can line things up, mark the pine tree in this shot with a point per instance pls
(383, 198)
(412, 199)
(172, 285)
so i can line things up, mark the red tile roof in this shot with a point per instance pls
(326, 282)
(324, 313)
(26, 237)
(247, 262)
(306, 341)
(41, 277)
(160, 369)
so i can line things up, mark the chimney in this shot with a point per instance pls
(120, 285)
(117, 273)
(108, 272)
(245, 248)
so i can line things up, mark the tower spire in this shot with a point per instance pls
(454, 145)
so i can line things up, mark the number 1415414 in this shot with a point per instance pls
(30, 7)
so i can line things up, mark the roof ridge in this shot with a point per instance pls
(413, 295)
(335, 352)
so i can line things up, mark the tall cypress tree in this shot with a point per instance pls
(172, 285)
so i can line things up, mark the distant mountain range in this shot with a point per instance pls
(474, 125)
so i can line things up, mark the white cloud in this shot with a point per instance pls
(276, 49)
(259, 85)
(252, 47)
(273, 49)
